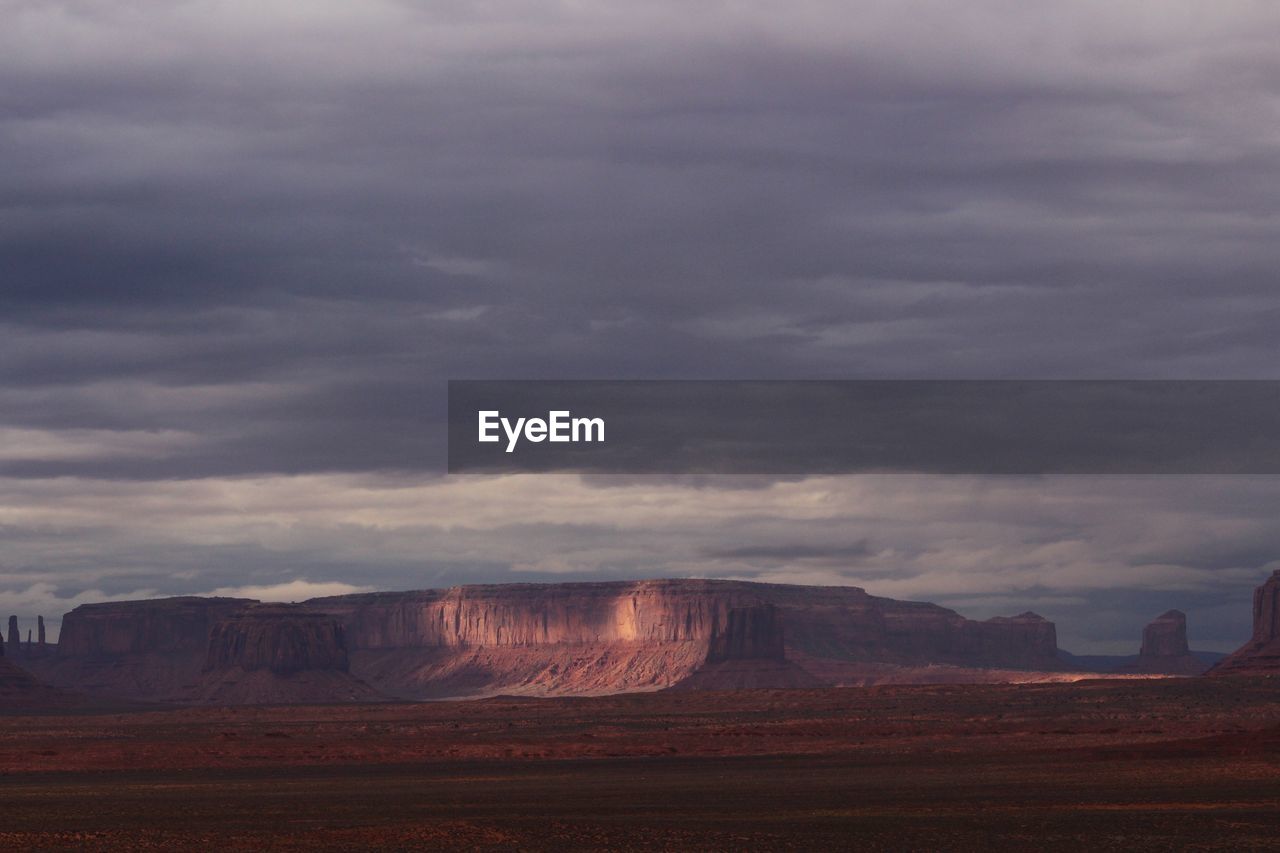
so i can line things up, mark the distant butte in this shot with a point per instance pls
(532, 639)
(579, 639)
(1261, 654)
(1165, 650)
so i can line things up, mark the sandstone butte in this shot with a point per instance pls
(531, 639)
(569, 639)
(1261, 654)
(1164, 648)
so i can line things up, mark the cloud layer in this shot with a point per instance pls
(243, 245)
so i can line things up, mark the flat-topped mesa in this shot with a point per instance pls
(281, 638)
(535, 639)
(1261, 654)
(632, 635)
(843, 622)
(166, 626)
(539, 614)
(136, 650)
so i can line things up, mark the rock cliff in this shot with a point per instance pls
(277, 637)
(223, 650)
(1261, 654)
(278, 653)
(534, 639)
(171, 626)
(1166, 636)
(605, 637)
(137, 650)
(1164, 648)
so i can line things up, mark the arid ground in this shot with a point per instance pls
(1123, 765)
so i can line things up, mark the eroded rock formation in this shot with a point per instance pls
(1164, 648)
(1166, 636)
(141, 650)
(168, 626)
(281, 638)
(644, 635)
(1261, 654)
(535, 639)
(278, 653)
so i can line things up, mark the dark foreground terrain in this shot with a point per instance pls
(1123, 765)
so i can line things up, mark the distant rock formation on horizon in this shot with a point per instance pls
(536, 639)
(1165, 650)
(1261, 654)
(21, 692)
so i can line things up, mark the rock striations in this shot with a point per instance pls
(280, 638)
(277, 653)
(1261, 654)
(532, 639)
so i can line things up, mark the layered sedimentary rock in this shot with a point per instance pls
(161, 625)
(605, 637)
(214, 650)
(1261, 654)
(280, 654)
(535, 639)
(281, 638)
(1164, 648)
(549, 638)
(748, 633)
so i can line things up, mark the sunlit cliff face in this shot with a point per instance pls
(640, 612)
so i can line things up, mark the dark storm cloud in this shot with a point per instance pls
(247, 240)
(408, 195)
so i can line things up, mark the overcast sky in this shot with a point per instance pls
(242, 245)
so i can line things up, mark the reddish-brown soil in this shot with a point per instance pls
(1123, 765)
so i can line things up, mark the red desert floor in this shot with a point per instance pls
(1119, 765)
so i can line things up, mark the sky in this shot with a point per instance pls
(244, 245)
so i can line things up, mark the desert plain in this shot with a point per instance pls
(1120, 764)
